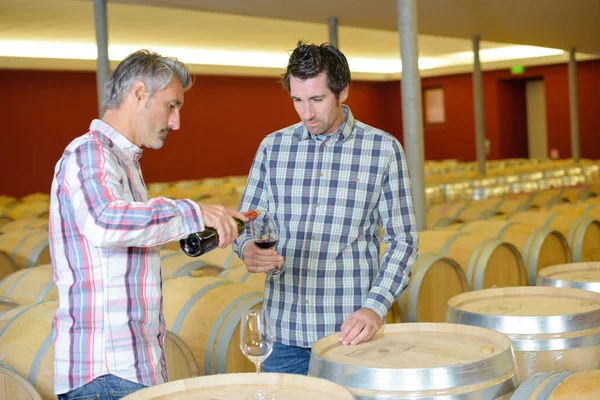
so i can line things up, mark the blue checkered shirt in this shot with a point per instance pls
(328, 198)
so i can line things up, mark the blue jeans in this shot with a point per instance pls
(106, 387)
(288, 359)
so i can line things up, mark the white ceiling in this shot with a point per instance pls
(273, 27)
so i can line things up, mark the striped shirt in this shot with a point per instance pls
(328, 198)
(104, 233)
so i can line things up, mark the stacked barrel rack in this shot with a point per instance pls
(489, 242)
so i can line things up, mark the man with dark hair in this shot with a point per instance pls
(109, 328)
(329, 182)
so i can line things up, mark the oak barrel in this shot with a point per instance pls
(27, 248)
(205, 313)
(218, 257)
(30, 285)
(564, 385)
(25, 224)
(177, 264)
(7, 266)
(26, 344)
(420, 361)
(244, 385)
(181, 363)
(577, 275)
(551, 329)
(13, 386)
(582, 233)
(539, 247)
(486, 262)
(6, 304)
(434, 281)
(241, 275)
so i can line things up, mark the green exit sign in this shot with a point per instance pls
(517, 69)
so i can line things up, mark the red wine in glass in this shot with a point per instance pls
(266, 243)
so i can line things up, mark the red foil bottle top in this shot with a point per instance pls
(251, 215)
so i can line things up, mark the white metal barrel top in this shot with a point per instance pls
(585, 275)
(524, 312)
(420, 360)
(239, 386)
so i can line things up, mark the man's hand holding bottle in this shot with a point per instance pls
(220, 218)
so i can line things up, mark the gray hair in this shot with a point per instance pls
(149, 67)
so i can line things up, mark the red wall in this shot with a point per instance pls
(505, 117)
(224, 119)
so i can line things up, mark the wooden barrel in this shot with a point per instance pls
(516, 203)
(584, 276)
(434, 281)
(178, 264)
(539, 247)
(13, 386)
(486, 262)
(34, 198)
(205, 313)
(479, 210)
(27, 248)
(25, 224)
(420, 361)
(218, 257)
(582, 233)
(181, 363)
(551, 329)
(576, 194)
(241, 275)
(447, 211)
(244, 386)
(564, 385)
(30, 285)
(37, 209)
(6, 264)
(545, 199)
(580, 209)
(26, 343)
(6, 304)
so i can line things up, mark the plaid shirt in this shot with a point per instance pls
(104, 233)
(328, 198)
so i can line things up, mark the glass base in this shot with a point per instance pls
(275, 272)
(261, 396)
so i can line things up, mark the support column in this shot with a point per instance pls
(412, 110)
(573, 106)
(102, 64)
(478, 107)
(333, 31)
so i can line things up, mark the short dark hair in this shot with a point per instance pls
(309, 60)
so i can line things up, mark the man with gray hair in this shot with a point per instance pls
(109, 328)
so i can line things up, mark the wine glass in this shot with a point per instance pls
(263, 231)
(256, 342)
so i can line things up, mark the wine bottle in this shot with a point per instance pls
(200, 243)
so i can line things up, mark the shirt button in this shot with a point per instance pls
(318, 204)
(306, 301)
(320, 174)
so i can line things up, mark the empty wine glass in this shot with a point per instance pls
(264, 233)
(256, 342)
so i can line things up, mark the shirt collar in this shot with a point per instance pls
(117, 138)
(345, 130)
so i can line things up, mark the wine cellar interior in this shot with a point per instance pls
(504, 298)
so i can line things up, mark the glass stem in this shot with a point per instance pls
(260, 393)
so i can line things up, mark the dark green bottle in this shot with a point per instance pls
(200, 243)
